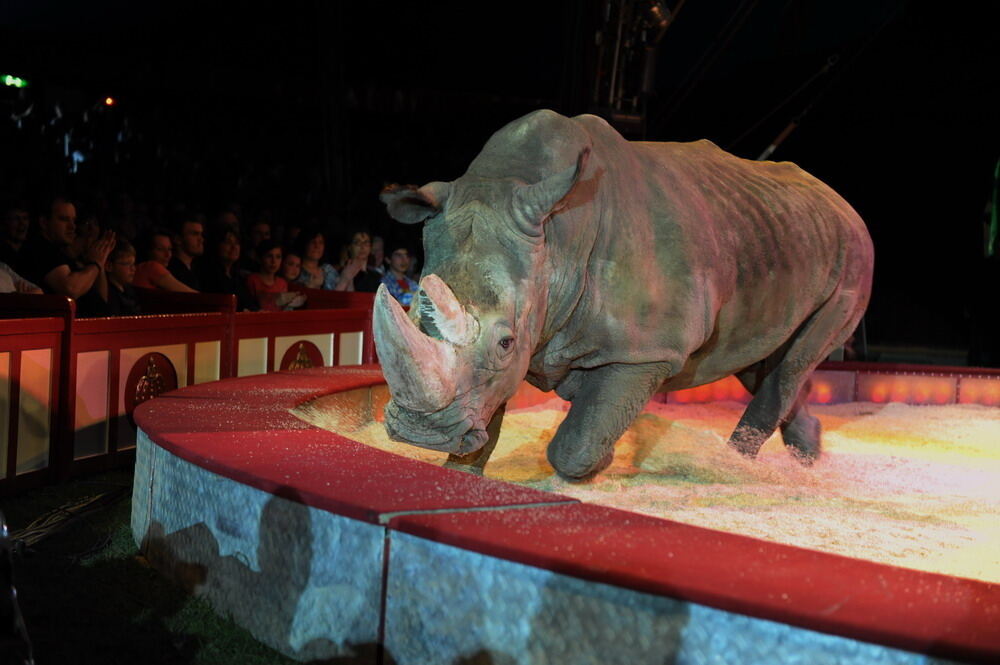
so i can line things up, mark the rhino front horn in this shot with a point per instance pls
(419, 369)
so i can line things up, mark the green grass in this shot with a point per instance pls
(88, 596)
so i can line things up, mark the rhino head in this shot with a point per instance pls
(464, 348)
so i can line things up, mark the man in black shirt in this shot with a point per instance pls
(14, 222)
(189, 245)
(45, 261)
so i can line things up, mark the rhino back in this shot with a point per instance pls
(680, 249)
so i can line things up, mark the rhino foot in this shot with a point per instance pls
(747, 440)
(802, 437)
(576, 461)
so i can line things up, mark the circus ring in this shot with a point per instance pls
(325, 548)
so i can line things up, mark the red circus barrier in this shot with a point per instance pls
(68, 386)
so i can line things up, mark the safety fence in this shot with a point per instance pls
(68, 386)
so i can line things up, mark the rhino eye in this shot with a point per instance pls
(506, 343)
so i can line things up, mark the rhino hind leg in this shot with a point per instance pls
(801, 432)
(780, 384)
(605, 401)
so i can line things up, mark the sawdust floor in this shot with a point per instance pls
(912, 486)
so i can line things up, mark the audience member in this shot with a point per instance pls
(401, 287)
(120, 269)
(376, 260)
(316, 274)
(88, 230)
(229, 220)
(14, 227)
(189, 245)
(271, 290)
(355, 276)
(291, 266)
(153, 273)
(46, 261)
(343, 257)
(221, 274)
(259, 232)
(11, 282)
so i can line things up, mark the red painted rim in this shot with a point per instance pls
(243, 429)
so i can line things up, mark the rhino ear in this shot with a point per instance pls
(410, 205)
(533, 204)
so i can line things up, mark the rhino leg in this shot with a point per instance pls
(800, 430)
(475, 461)
(605, 401)
(779, 384)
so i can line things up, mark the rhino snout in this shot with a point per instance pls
(444, 430)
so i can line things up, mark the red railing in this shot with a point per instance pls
(97, 370)
(68, 386)
(116, 358)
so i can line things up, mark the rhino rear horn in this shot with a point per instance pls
(533, 204)
(441, 315)
(410, 205)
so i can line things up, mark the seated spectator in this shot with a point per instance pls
(14, 225)
(270, 290)
(189, 245)
(153, 273)
(46, 261)
(88, 230)
(316, 274)
(377, 259)
(291, 266)
(11, 282)
(228, 219)
(259, 232)
(355, 275)
(401, 287)
(221, 274)
(120, 269)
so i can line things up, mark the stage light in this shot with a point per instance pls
(822, 393)
(13, 81)
(110, 101)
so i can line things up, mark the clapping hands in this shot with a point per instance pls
(98, 252)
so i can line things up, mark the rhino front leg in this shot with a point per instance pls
(605, 401)
(475, 461)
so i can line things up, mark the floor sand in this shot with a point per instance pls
(911, 486)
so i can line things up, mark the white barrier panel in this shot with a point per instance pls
(91, 427)
(34, 424)
(206, 361)
(351, 348)
(252, 356)
(4, 409)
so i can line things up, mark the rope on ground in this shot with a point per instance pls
(60, 518)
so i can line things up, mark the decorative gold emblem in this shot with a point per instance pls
(302, 360)
(151, 384)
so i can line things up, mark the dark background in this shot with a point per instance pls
(303, 110)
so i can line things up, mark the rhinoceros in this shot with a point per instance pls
(606, 270)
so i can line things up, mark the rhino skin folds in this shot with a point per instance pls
(606, 269)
